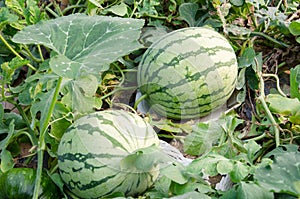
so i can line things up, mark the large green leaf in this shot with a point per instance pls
(188, 12)
(84, 43)
(291, 107)
(202, 138)
(283, 175)
(247, 190)
(250, 190)
(79, 94)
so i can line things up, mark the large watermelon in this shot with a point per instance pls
(92, 149)
(188, 73)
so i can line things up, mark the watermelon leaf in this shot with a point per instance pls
(281, 176)
(79, 94)
(282, 149)
(7, 162)
(295, 82)
(6, 17)
(83, 43)
(247, 57)
(9, 68)
(190, 186)
(202, 138)
(174, 171)
(252, 191)
(62, 120)
(290, 109)
(294, 28)
(205, 135)
(119, 9)
(239, 172)
(2, 125)
(142, 160)
(188, 13)
(237, 2)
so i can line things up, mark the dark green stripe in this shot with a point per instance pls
(190, 77)
(102, 121)
(160, 51)
(117, 186)
(164, 66)
(178, 58)
(92, 129)
(172, 104)
(82, 158)
(92, 184)
(125, 137)
(189, 112)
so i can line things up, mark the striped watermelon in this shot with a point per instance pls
(92, 148)
(188, 73)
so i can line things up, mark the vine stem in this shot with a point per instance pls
(135, 4)
(41, 142)
(139, 100)
(270, 38)
(261, 98)
(223, 20)
(14, 52)
(277, 83)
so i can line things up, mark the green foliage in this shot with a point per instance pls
(6, 17)
(28, 12)
(238, 166)
(249, 190)
(206, 135)
(11, 180)
(295, 82)
(79, 42)
(282, 176)
(294, 28)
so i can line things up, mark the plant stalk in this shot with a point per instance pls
(41, 143)
(261, 98)
(139, 100)
(270, 38)
(14, 52)
(277, 83)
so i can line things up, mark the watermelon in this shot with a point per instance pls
(188, 73)
(92, 149)
(18, 183)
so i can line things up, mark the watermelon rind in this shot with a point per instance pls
(188, 73)
(90, 152)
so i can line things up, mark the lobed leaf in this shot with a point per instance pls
(253, 191)
(83, 43)
(188, 13)
(282, 176)
(291, 106)
(202, 138)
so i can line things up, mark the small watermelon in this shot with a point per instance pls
(92, 149)
(188, 73)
